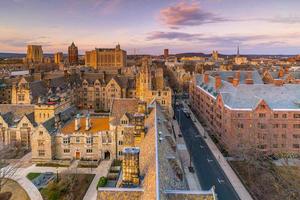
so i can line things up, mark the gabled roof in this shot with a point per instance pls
(121, 107)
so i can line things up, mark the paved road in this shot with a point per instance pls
(207, 168)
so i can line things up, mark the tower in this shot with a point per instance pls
(143, 82)
(238, 51)
(130, 166)
(73, 54)
(166, 53)
(34, 54)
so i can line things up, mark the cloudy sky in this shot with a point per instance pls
(149, 26)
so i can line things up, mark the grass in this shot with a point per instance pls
(32, 175)
(266, 181)
(70, 186)
(102, 182)
(50, 165)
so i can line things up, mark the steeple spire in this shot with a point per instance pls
(238, 51)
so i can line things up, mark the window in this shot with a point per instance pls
(25, 125)
(284, 125)
(275, 115)
(283, 136)
(240, 125)
(41, 133)
(296, 125)
(120, 142)
(239, 115)
(284, 115)
(66, 140)
(77, 139)
(89, 140)
(296, 115)
(261, 125)
(262, 115)
(89, 150)
(123, 121)
(275, 125)
(40, 143)
(41, 152)
(66, 150)
(120, 153)
(275, 146)
(296, 136)
(296, 146)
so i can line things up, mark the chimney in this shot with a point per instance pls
(206, 78)
(130, 166)
(77, 122)
(57, 120)
(281, 72)
(88, 122)
(286, 69)
(236, 82)
(249, 81)
(218, 82)
(278, 82)
(238, 75)
(230, 79)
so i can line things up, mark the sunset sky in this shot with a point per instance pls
(149, 26)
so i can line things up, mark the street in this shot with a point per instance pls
(207, 168)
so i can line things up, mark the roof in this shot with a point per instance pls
(243, 75)
(38, 88)
(247, 96)
(97, 124)
(121, 107)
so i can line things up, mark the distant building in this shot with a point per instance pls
(73, 54)
(215, 55)
(58, 57)
(166, 53)
(239, 60)
(106, 58)
(34, 54)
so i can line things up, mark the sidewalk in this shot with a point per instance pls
(232, 177)
(191, 178)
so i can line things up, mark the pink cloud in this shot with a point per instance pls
(187, 14)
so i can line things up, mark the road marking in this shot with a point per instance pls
(209, 160)
(220, 181)
(197, 136)
(202, 147)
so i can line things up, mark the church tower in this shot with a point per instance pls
(143, 82)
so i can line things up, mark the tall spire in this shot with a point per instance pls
(238, 51)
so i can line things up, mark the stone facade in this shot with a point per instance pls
(73, 54)
(34, 54)
(106, 59)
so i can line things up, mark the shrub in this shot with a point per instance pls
(102, 182)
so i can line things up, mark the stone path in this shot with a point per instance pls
(232, 177)
(102, 170)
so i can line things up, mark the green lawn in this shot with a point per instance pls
(32, 175)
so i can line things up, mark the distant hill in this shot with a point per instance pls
(12, 55)
(179, 55)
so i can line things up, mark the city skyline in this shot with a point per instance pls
(269, 27)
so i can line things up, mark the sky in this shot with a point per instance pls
(149, 26)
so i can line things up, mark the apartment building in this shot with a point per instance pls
(246, 115)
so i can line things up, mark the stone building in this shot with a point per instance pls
(69, 135)
(149, 88)
(243, 116)
(34, 54)
(283, 74)
(73, 54)
(16, 125)
(58, 58)
(106, 59)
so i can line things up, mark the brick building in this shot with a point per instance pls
(246, 115)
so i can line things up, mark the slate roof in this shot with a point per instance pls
(243, 75)
(65, 117)
(122, 106)
(247, 96)
(38, 88)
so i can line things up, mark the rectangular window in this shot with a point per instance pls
(297, 126)
(275, 115)
(66, 150)
(284, 115)
(66, 140)
(120, 142)
(77, 139)
(284, 125)
(296, 146)
(41, 133)
(40, 143)
(41, 152)
(89, 140)
(89, 151)
(120, 153)
(296, 115)
(275, 125)
(296, 136)
(262, 115)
